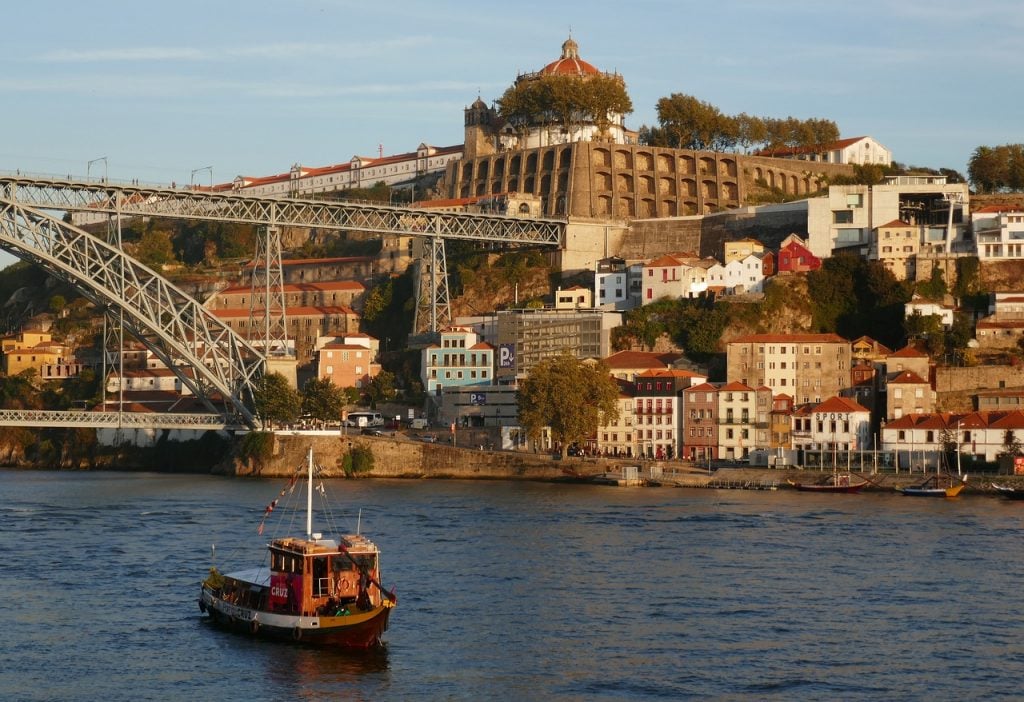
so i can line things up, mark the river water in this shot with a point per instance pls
(522, 591)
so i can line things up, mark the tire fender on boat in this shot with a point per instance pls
(202, 606)
(297, 634)
(254, 627)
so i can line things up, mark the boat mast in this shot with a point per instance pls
(309, 493)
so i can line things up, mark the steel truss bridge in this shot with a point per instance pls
(115, 420)
(216, 364)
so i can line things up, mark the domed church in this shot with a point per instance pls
(487, 132)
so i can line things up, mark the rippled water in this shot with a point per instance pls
(522, 591)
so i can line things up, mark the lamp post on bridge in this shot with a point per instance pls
(192, 178)
(88, 167)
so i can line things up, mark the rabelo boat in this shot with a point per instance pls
(317, 590)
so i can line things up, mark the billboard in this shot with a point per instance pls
(507, 356)
(478, 398)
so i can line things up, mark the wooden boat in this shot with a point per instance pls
(841, 483)
(317, 590)
(932, 488)
(1010, 493)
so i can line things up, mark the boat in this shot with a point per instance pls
(313, 589)
(840, 483)
(932, 487)
(1010, 493)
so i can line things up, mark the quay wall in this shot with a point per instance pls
(398, 458)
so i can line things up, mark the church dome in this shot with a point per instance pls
(570, 64)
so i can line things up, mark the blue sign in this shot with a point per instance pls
(507, 356)
(478, 398)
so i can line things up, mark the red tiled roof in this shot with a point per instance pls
(895, 223)
(789, 339)
(821, 148)
(840, 404)
(324, 286)
(908, 378)
(908, 352)
(640, 359)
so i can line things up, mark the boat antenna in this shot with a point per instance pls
(309, 493)
(213, 554)
(359, 522)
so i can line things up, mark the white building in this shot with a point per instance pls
(617, 285)
(859, 150)
(676, 275)
(926, 308)
(846, 217)
(838, 424)
(999, 233)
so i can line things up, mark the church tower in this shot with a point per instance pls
(480, 123)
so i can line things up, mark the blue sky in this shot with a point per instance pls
(162, 89)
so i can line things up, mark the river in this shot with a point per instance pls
(518, 590)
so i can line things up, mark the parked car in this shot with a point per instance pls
(372, 432)
(429, 438)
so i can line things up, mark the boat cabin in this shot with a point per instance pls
(310, 577)
(317, 576)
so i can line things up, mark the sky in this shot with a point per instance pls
(185, 90)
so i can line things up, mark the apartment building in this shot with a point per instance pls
(809, 367)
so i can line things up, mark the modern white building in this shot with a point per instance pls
(846, 217)
(999, 233)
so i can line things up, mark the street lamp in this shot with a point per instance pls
(88, 167)
(191, 181)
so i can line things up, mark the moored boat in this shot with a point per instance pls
(840, 483)
(932, 487)
(316, 590)
(1009, 492)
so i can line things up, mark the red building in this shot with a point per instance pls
(795, 257)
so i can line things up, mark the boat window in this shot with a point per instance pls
(340, 563)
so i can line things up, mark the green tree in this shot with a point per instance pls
(569, 396)
(381, 388)
(57, 304)
(275, 401)
(322, 400)
(567, 101)
(154, 249)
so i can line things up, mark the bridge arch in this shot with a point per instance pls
(174, 326)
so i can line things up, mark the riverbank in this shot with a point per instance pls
(398, 457)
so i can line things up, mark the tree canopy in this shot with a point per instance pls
(997, 168)
(689, 123)
(568, 101)
(569, 396)
(322, 400)
(275, 400)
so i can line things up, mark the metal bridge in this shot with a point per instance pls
(115, 420)
(107, 197)
(206, 355)
(434, 227)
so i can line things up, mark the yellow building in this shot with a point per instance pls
(30, 349)
(897, 245)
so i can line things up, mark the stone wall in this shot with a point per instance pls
(974, 378)
(400, 458)
(706, 236)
